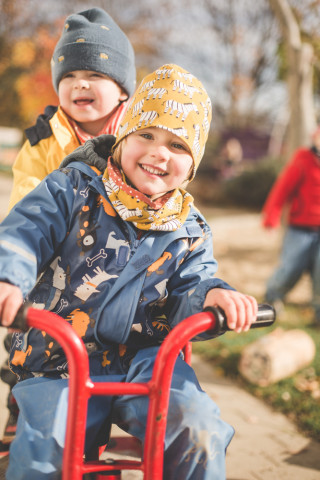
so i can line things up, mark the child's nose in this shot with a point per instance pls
(161, 152)
(81, 84)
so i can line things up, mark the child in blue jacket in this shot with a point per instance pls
(93, 73)
(112, 242)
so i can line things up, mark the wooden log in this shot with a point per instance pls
(276, 356)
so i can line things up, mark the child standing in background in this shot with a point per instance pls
(298, 189)
(93, 73)
(122, 254)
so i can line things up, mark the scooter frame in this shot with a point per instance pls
(81, 388)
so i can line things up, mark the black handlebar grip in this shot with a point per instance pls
(265, 318)
(20, 320)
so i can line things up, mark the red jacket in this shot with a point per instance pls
(297, 186)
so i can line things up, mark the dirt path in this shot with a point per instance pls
(5, 189)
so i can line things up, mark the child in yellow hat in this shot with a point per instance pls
(124, 257)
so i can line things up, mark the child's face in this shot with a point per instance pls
(89, 98)
(155, 161)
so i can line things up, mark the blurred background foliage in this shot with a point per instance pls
(239, 49)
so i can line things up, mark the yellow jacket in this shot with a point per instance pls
(48, 143)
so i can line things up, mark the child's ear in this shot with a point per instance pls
(190, 175)
(188, 179)
(123, 96)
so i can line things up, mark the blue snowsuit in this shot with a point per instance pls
(123, 290)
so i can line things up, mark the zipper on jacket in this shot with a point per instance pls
(135, 238)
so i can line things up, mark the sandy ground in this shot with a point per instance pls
(247, 254)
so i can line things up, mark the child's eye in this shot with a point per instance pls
(68, 75)
(97, 75)
(179, 146)
(148, 136)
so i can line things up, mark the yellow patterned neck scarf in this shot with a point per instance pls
(167, 213)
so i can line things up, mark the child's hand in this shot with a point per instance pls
(10, 301)
(240, 310)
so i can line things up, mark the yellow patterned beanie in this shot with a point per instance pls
(173, 99)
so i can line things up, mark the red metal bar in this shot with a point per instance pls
(97, 467)
(81, 388)
(187, 351)
(119, 388)
(78, 366)
(160, 388)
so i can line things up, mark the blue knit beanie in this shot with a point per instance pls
(91, 40)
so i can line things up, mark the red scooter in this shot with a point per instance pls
(150, 461)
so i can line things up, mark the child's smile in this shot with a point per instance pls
(156, 161)
(152, 170)
(89, 98)
(82, 101)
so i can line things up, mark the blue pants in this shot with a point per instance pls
(196, 437)
(300, 254)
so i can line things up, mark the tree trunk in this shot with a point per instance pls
(302, 118)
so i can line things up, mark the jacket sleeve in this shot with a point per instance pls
(28, 170)
(191, 282)
(282, 191)
(34, 229)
